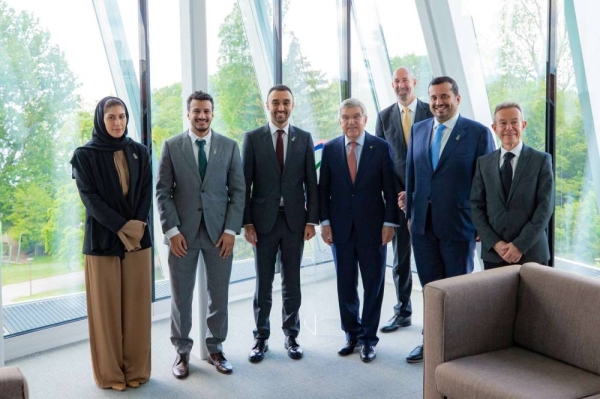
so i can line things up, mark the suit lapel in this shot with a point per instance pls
(397, 123)
(521, 166)
(365, 157)
(456, 137)
(185, 145)
(291, 146)
(268, 145)
(425, 135)
(341, 152)
(492, 169)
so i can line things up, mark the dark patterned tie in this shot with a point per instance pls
(202, 161)
(506, 173)
(279, 148)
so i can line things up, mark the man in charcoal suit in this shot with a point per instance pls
(512, 196)
(393, 125)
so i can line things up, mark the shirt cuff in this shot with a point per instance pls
(325, 223)
(230, 232)
(390, 224)
(172, 232)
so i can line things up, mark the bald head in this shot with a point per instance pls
(403, 83)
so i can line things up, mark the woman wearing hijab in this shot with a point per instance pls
(114, 180)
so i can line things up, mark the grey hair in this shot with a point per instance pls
(506, 105)
(351, 103)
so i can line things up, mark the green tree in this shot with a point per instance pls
(166, 115)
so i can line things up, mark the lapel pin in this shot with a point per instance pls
(458, 137)
(134, 156)
(293, 138)
(371, 147)
(215, 152)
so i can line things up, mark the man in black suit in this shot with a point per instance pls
(512, 196)
(393, 124)
(281, 214)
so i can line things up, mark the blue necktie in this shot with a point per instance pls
(437, 144)
(202, 161)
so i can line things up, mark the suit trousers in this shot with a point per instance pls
(401, 269)
(291, 244)
(119, 296)
(437, 259)
(349, 257)
(183, 280)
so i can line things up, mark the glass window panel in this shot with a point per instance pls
(512, 41)
(577, 236)
(54, 70)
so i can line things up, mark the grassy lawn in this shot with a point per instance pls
(47, 294)
(41, 267)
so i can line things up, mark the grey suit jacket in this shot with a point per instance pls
(389, 128)
(266, 184)
(523, 217)
(183, 197)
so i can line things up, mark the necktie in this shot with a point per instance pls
(406, 124)
(352, 163)
(437, 145)
(279, 149)
(202, 161)
(506, 173)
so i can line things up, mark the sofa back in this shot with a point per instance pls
(558, 315)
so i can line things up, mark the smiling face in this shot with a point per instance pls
(280, 104)
(115, 121)
(353, 122)
(443, 102)
(509, 126)
(200, 116)
(404, 84)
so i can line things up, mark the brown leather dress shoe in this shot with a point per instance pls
(181, 367)
(293, 348)
(219, 361)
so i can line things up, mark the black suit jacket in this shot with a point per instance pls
(266, 184)
(389, 128)
(521, 218)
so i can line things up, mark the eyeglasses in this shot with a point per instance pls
(355, 118)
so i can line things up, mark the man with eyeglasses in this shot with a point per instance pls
(358, 212)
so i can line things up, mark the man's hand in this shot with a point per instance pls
(326, 235)
(387, 233)
(178, 245)
(250, 234)
(402, 201)
(512, 254)
(501, 247)
(309, 232)
(226, 242)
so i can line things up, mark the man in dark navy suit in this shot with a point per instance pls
(357, 206)
(442, 155)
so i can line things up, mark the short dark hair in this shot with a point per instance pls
(506, 105)
(112, 102)
(200, 96)
(280, 88)
(445, 79)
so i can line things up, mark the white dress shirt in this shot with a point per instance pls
(517, 154)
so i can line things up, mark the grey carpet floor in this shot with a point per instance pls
(66, 372)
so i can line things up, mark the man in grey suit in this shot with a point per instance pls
(200, 192)
(281, 213)
(394, 124)
(512, 196)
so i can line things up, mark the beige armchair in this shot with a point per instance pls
(12, 384)
(526, 331)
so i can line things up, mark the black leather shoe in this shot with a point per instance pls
(257, 353)
(181, 367)
(416, 356)
(395, 322)
(367, 353)
(348, 347)
(293, 348)
(219, 361)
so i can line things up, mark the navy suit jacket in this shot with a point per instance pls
(448, 188)
(523, 217)
(389, 127)
(367, 203)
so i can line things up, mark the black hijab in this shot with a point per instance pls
(101, 139)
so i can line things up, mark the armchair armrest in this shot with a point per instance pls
(468, 315)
